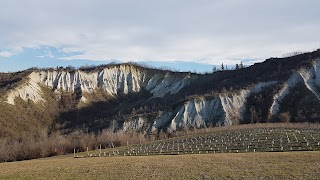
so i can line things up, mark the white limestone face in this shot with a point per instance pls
(226, 109)
(197, 113)
(311, 79)
(122, 79)
(234, 104)
(170, 84)
(28, 91)
(163, 119)
(119, 79)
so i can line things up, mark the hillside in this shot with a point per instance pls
(130, 97)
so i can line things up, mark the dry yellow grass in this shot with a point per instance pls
(284, 165)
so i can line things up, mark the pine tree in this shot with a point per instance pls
(241, 65)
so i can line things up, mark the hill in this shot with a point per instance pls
(45, 103)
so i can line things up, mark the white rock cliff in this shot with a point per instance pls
(224, 109)
(119, 79)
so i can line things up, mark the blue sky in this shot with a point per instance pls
(181, 34)
(51, 57)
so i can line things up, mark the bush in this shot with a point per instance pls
(284, 117)
(53, 144)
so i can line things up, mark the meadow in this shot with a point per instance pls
(276, 151)
(258, 165)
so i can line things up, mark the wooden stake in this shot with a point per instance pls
(112, 147)
(87, 151)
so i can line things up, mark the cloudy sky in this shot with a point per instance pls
(182, 34)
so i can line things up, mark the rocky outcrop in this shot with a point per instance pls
(224, 108)
(121, 79)
(169, 84)
(197, 113)
(284, 91)
(310, 77)
(30, 90)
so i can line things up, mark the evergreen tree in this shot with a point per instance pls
(241, 65)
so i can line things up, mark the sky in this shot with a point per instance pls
(186, 35)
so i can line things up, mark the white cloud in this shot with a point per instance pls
(6, 54)
(48, 55)
(206, 31)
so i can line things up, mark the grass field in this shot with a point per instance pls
(258, 165)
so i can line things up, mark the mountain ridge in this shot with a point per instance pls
(129, 97)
